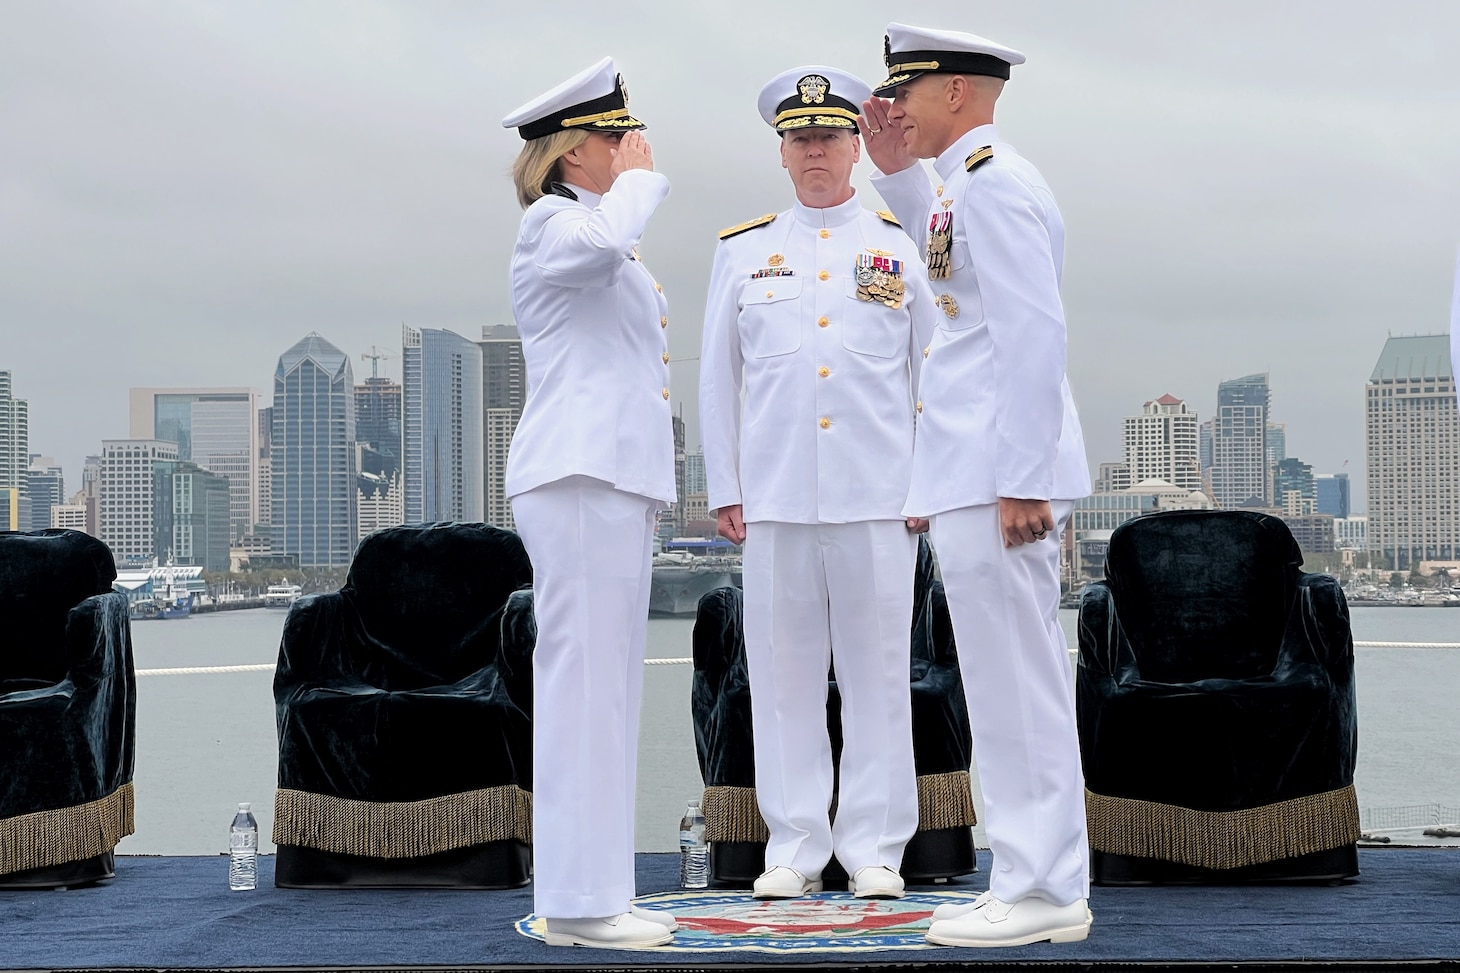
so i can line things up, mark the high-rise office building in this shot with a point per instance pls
(1332, 491)
(1294, 490)
(312, 446)
(1412, 444)
(695, 479)
(1239, 471)
(216, 428)
(1204, 445)
(380, 489)
(192, 516)
(504, 393)
(1276, 451)
(442, 426)
(46, 487)
(14, 448)
(1161, 444)
(265, 512)
(90, 495)
(127, 498)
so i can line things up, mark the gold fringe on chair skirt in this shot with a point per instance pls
(732, 814)
(407, 829)
(43, 839)
(1223, 839)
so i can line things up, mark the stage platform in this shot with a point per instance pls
(178, 914)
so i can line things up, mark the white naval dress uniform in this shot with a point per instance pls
(818, 454)
(591, 464)
(997, 421)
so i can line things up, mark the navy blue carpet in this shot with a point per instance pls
(177, 913)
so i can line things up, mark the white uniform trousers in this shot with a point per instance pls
(1004, 602)
(591, 548)
(814, 593)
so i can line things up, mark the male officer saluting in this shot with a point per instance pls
(819, 315)
(999, 460)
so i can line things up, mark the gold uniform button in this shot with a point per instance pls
(920, 407)
(659, 288)
(825, 422)
(822, 321)
(663, 322)
(666, 393)
(940, 190)
(824, 275)
(823, 371)
(825, 234)
(665, 356)
(926, 350)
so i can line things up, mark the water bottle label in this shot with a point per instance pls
(242, 841)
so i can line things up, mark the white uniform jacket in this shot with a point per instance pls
(998, 419)
(825, 433)
(592, 322)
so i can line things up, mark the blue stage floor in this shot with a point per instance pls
(177, 913)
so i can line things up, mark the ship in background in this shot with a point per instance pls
(688, 569)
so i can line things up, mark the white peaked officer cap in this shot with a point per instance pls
(914, 51)
(812, 96)
(594, 98)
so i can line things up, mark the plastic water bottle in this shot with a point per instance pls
(694, 852)
(243, 851)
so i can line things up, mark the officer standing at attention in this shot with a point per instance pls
(591, 465)
(818, 316)
(998, 463)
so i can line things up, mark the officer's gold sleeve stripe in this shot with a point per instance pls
(730, 231)
(887, 217)
(978, 157)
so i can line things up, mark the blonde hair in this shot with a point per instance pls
(536, 168)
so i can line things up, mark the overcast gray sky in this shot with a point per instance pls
(188, 188)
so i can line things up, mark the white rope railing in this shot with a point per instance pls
(269, 666)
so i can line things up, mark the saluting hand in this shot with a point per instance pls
(633, 152)
(884, 141)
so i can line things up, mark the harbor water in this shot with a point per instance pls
(205, 742)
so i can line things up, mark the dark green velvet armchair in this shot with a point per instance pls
(68, 710)
(404, 707)
(1215, 698)
(941, 848)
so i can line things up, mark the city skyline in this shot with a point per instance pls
(1239, 197)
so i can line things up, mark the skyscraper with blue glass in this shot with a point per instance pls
(312, 455)
(442, 426)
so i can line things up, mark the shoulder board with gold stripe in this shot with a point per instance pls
(978, 157)
(731, 231)
(887, 217)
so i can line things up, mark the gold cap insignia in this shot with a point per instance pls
(623, 90)
(813, 89)
(775, 259)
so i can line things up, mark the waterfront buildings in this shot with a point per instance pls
(441, 426)
(265, 470)
(1239, 471)
(1161, 444)
(312, 449)
(1313, 532)
(504, 393)
(215, 428)
(192, 516)
(1276, 451)
(70, 516)
(695, 478)
(128, 498)
(1331, 491)
(1412, 445)
(1351, 533)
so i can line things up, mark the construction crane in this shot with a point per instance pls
(374, 357)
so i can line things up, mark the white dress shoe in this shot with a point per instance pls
(654, 915)
(877, 882)
(999, 923)
(781, 882)
(954, 910)
(614, 932)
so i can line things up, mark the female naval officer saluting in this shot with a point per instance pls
(591, 464)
